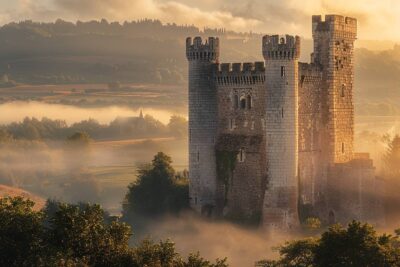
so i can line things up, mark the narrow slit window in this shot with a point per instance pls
(283, 71)
(282, 112)
(242, 155)
(342, 148)
(343, 89)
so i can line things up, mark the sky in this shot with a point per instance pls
(378, 19)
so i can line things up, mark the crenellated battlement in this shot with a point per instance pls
(281, 47)
(335, 24)
(240, 73)
(208, 50)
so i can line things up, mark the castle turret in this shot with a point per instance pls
(334, 52)
(202, 123)
(281, 54)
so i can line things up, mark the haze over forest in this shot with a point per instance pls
(121, 89)
(148, 51)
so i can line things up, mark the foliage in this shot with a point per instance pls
(79, 138)
(358, 245)
(78, 235)
(121, 127)
(20, 232)
(312, 224)
(158, 190)
(226, 162)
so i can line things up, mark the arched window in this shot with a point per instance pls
(243, 102)
(249, 102)
(236, 102)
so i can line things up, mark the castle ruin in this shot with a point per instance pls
(271, 142)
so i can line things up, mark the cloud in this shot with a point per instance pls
(169, 11)
(377, 19)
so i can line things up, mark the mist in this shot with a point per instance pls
(18, 110)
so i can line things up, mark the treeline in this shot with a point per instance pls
(84, 235)
(358, 245)
(120, 128)
(78, 235)
(102, 52)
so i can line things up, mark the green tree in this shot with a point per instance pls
(158, 190)
(358, 245)
(78, 235)
(21, 232)
(80, 231)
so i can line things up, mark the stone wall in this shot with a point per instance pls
(334, 52)
(311, 167)
(354, 193)
(240, 148)
(202, 123)
(281, 70)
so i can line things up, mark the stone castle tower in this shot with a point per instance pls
(202, 122)
(281, 56)
(271, 140)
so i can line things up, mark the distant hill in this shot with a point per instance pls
(7, 191)
(148, 51)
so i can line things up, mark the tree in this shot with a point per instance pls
(21, 232)
(79, 139)
(156, 191)
(81, 231)
(78, 235)
(358, 245)
(5, 136)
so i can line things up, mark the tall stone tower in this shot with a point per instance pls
(281, 54)
(334, 52)
(203, 112)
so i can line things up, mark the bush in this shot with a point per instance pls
(157, 191)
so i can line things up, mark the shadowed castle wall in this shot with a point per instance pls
(241, 106)
(310, 124)
(202, 123)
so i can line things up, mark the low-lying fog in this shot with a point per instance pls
(18, 110)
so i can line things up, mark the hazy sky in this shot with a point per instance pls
(378, 19)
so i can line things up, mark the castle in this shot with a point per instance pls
(271, 142)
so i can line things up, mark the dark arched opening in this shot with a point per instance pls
(242, 102)
(249, 103)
